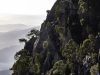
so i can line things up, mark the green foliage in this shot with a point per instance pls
(69, 49)
(22, 64)
(24, 61)
(48, 24)
(82, 21)
(86, 43)
(36, 65)
(57, 10)
(91, 37)
(58, 68)
(94, 69)
(73, 52)
(21, 54)
(83, 6)
(94, 57)
(45, 44)
(70, 52)
(34, 33)
(59, 29)
(83, 10)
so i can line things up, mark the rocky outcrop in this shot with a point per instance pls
(68, 40)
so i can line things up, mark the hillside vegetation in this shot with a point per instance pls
(68, 42)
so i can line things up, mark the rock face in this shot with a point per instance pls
(68, 42)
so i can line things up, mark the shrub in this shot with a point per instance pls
(58, 68)
(45, 44)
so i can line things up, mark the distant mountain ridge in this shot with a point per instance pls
(9, 44)
(7, 56)
(5, 72)
(12, 27)
(9, 38)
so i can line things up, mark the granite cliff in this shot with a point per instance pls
(67, 44)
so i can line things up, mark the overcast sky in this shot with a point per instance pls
(30, 20)
(24, 11)
(24, 7)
